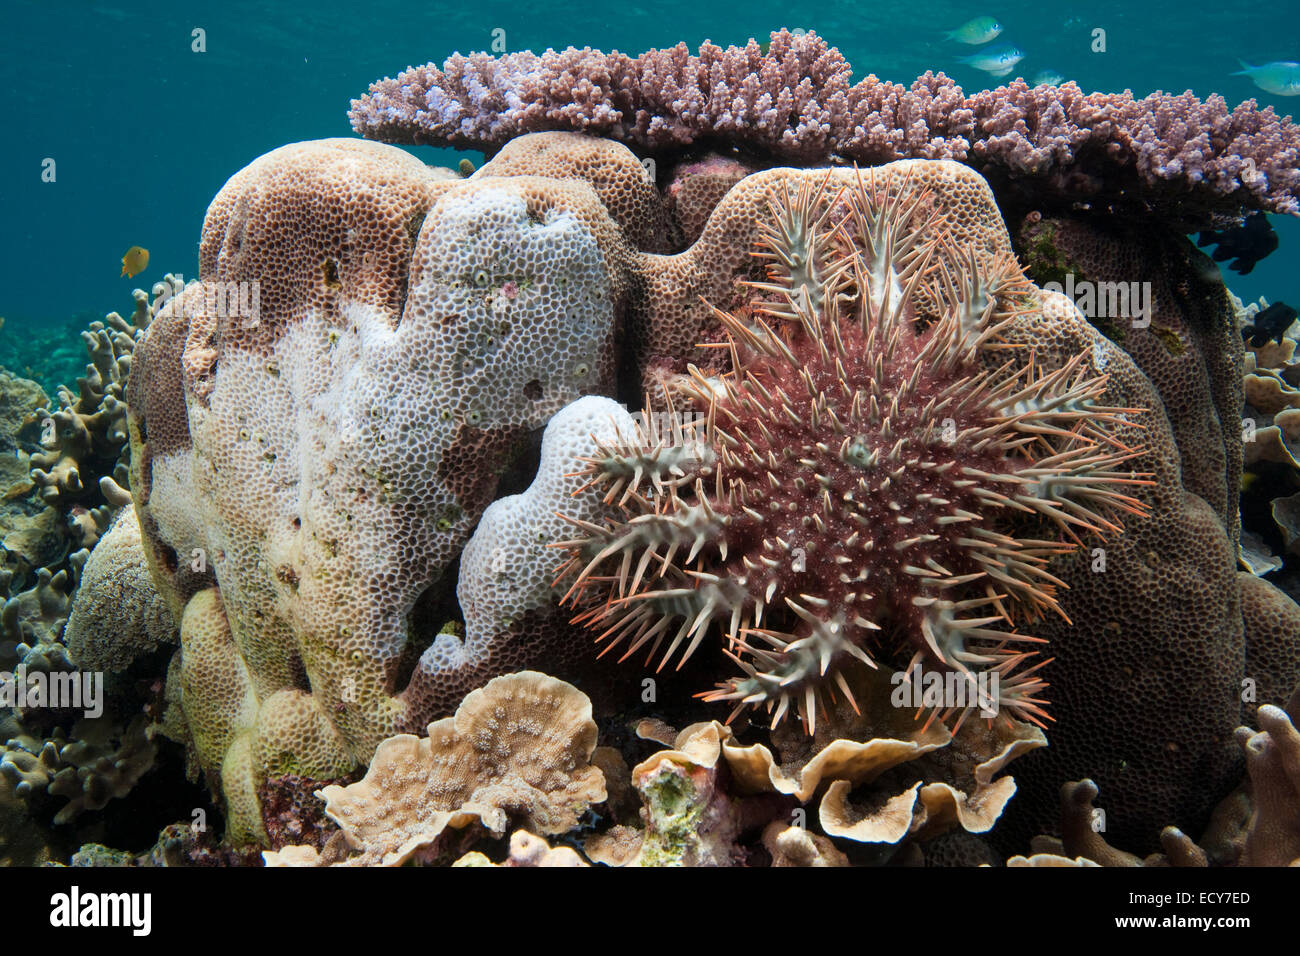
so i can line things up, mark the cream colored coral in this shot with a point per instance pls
(117, 614)
(321, 450)
(528, 849)
(795, 846)
(518, 748)
(507, 569)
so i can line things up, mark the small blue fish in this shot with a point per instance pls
(1048, 78)
(977, 31)
(997, 62)
(1278, 77)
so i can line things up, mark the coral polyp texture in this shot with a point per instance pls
(795, 102)
(319, 422)
(881, 467)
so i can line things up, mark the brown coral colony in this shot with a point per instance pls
(871, 471)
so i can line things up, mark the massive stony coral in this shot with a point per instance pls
(319, 422)
(305, 476)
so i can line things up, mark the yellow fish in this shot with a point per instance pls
(135, 261)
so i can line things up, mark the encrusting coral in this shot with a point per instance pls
(20, 430)
(1177, 324)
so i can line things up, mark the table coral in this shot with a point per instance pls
(795, 102)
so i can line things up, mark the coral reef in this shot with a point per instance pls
(33, 619)
(902, 451)
(69, 751)
(795, 103)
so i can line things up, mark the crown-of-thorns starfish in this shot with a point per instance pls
(860, 483)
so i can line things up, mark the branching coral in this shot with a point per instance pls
(85, 440)
(96, 763)
(859, 477)
(33, 619)
(1256, 825)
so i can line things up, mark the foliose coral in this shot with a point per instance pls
(517, 747)
(881, 781)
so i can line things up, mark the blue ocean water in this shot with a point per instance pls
(144, 131)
